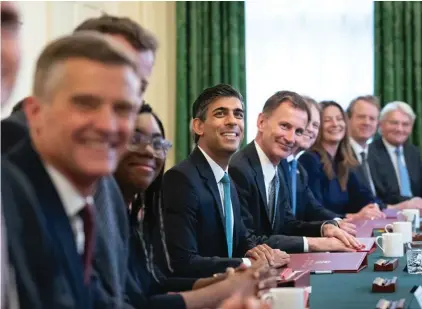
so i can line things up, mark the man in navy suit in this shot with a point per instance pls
(308, 208)
(204, 229)
(261, 175)
(111, 242)
(81, 115)
(10, 60)
(378, 160)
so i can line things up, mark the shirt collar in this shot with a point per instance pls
(268, 169)
(391, 148)
(358, 148)
(73, 201)
(290, 158)
(216, 169)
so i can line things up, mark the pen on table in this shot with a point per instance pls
(320, 272)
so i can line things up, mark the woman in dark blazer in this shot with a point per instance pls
(330, 164)
(139, 176)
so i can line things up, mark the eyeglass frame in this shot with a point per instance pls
(147, 140)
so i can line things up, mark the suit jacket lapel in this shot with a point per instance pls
(57, 221)
(206, 173)
(253, 158)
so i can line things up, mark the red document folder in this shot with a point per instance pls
(365, 228)
(369, 243)
(329, 262)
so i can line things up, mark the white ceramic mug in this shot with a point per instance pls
(392, 244)
(404, 228)
(283, 298)
(411, 215)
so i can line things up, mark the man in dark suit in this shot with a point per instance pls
(261, 175)
(111, 251)
(396, 165)
(81, 115)
(376, 165)
(204, 229)
(10, 60)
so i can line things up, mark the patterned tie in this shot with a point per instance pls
(273, 196)
(228, 213)
(293, 172)
(403, 174)
(87, 215)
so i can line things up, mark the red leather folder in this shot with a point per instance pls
(391, 213)
(365, 228)
(369, 243)
(347, 262)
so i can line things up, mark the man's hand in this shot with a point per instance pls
(237, 301)
(281, 258)
(260, 254)
(323, 244)
(348, 240)
(370, 211)
(254, 280)
(413, 203)
(347, 227)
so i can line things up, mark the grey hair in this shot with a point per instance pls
(397, 105)
(84, 44)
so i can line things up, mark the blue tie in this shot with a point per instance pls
(228, 213)
(404, 175)
(293, 169)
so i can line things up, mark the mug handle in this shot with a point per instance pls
(387, 227)
(268, 298)
(376, 241)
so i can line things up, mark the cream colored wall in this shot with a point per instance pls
(46, 20)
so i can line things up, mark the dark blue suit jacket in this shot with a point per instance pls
(111, 244)
(308, 208)
(246, 171)
(13, 128)
(49, 226)
(194, 220)
(329, 193)
(384, 175)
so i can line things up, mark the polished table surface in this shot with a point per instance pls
(353, 290)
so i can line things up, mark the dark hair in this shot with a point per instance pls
(19, 106)
(344, 158)
(150, 202)
(280, 97)
(367, 98)
(140, 38)
(210, 95)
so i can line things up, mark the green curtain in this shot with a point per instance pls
(210, 50)
(398, 56)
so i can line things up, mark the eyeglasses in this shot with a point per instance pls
(159, 145)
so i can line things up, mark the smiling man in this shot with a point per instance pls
(395, 164)
(81, 116)
(262, 178)
(204, 229)
(363, 114)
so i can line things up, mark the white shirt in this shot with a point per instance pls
(391, 149)
(73, 203)
(219, 174)
(358, 149)
(269, 170)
